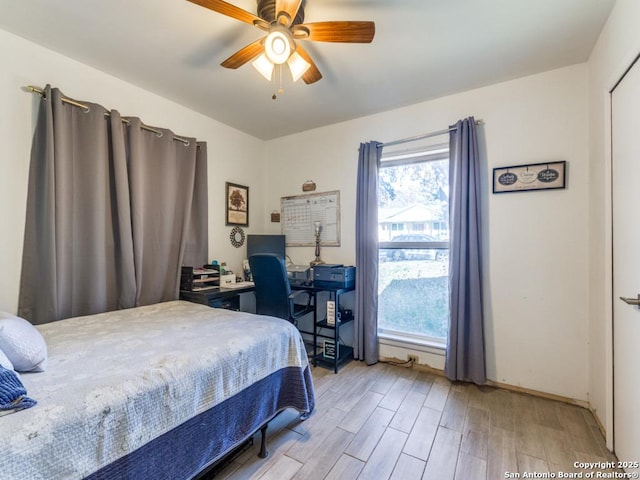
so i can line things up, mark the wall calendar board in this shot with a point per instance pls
(300, 211)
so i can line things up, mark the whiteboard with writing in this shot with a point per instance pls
(300, 211)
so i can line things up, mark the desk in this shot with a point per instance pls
(218, 297)
(342, 353)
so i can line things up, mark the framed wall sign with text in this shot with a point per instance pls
(534, 176)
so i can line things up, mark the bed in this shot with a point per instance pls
(162, 391)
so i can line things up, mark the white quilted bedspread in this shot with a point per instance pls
(117, 380)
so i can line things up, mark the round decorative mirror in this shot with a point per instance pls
(237, 237)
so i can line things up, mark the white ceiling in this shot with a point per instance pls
(423, 49)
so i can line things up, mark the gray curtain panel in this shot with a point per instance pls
(197, 245)
(365, 341)
(161, 179)
(96, 190)
(465, 359)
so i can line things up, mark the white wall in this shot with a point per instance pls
(536, 260)
(233, 156)
(536, 253)
(618, 45)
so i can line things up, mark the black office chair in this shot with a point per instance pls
(273, 291)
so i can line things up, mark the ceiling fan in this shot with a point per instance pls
(283, 22)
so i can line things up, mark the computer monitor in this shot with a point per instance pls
(266, 244)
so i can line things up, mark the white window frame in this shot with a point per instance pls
(422, 155)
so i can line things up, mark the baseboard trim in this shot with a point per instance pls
(506, 386)
(538, 393)
(603, 430)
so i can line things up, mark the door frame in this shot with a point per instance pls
(618, 74)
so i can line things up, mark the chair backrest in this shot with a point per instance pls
(272, 287)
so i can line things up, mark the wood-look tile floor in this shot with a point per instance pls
(389, 422)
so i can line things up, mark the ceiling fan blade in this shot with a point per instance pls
(244, 55)
(290, 7)
(229, 10)
(343, 32)
(312, 74)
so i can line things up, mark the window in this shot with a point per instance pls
(413, 276)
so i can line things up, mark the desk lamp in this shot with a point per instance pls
(317, 228)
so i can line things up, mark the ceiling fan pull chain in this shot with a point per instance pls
(274, 96)
(278, 73)
(281, 89)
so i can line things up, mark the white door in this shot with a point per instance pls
(625, 131)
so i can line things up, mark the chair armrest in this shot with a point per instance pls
(297, 293)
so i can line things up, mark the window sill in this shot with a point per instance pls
(419, 344)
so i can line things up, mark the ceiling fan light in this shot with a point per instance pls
(263, 65)
(297, 65)
(277, 47)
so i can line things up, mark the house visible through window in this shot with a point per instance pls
(413, 239)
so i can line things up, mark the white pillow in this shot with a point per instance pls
(22, 343)
(5, 362)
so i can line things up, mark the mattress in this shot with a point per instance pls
(124, 388)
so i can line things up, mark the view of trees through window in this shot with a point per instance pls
(413, 236)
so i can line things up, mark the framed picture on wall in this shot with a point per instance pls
(237, 204)
(534, 176)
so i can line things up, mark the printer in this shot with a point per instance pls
(334, 276)
(298, 274)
